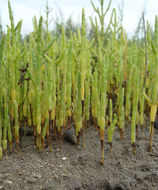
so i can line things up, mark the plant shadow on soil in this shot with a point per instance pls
(73, 168)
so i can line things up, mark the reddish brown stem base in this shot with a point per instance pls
(134, 148)
(35, 135)
(78, 138)
(121, 134)
(60, 138)
(102, 152)
(151, 135)
(43, 143)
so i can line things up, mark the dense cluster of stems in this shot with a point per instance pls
(52, 85)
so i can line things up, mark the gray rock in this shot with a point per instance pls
(70, 136)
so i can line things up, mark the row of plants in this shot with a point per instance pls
(53, 84)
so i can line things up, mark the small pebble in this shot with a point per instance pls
(37, 176)
(64, 158)
(8, 182)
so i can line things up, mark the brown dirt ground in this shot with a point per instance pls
(73, 168)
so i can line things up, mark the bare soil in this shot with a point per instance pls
(73, 168)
